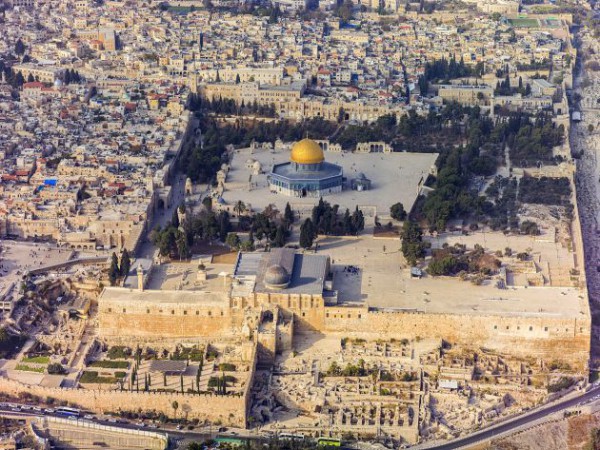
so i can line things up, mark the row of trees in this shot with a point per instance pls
(504, 88)
(443, 70)
(202, 162)
(228, 106)
(269, 227)
(327, 220)
(412, 132)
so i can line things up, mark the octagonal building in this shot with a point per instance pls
(307, 174)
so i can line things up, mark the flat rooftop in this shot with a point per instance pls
(200, 298)
(384, 281)
(394, 176)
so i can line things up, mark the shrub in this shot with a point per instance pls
(119, 352)
(56, 369)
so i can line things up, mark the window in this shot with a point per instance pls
(495, 327)
(518, 328)
(530, 328)
(197, 313)
(359, 316)
(147, 311)
(221, 312)
(349, 316)
(327, 315)
(545, 328)
(173, 311)
(185, 313)
(109, 309)
(507, 327)
(210, 313)
(124, 311)
(303, 314)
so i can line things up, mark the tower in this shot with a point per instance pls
(140, 278)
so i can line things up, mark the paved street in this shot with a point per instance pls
(514, 425)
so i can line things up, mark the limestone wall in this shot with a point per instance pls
(121, 322)
(230, 410)
(548, 337)
(544, 337)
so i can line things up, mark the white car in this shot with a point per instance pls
(89, 417)
(49, 411)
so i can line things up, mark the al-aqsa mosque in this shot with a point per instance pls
(307, 174)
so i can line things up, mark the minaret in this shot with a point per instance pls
(140, 277)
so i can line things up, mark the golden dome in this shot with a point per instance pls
(307, 151)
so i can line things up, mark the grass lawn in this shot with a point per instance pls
(27, 368)
(93, 377)
(524, 23)
(37, 360)
(104, 364)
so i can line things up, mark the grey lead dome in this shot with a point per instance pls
(277, 277)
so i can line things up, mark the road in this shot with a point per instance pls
(515, 424)
(8, 410)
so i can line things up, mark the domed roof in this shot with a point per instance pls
(307, 151)
(276, 276)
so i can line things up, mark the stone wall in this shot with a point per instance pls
(230, 410)
(550, 338)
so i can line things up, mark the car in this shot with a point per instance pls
(37, 408)
(89, 417)
(16, 409)
(112, 420)
(72, 418)
(141, 424)
(179, 427)
(49, 411)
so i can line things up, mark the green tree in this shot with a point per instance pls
(113, 270)
(233, 241)
(413, 247)
(307, 234)
(397, 211)
(182, 245)
(175, 219)
(279, 240)
(19, 47)
(288, 214)
(239, 208)
(175, 406)
(358, 221)
(125, 263)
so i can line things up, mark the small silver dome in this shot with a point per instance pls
(277, 277)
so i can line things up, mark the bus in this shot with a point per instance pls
(66, 411)
(329, 442)
(291, 437)
(231, 441)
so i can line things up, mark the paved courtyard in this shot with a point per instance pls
(383, 280)
(395, 178)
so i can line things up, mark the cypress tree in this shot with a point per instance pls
(125, 264)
